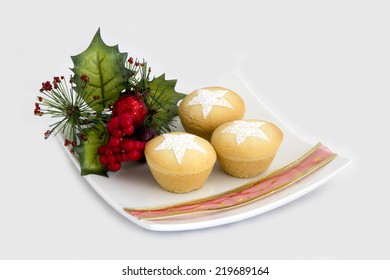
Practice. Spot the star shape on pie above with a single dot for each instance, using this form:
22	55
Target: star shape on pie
208	99
179	144
244	129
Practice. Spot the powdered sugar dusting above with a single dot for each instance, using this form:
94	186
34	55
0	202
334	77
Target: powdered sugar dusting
208	99
243	129
179	144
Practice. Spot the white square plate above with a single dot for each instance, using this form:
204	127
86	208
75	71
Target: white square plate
134	187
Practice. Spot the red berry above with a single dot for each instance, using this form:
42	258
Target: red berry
111	159
101	150
118	157
128	130
135	155
103	159
125	157
110	128
118	133
126	122
114	142
127	145
140	146
108	150
112	124
114	166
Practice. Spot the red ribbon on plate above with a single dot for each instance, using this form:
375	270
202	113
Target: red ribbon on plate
278	180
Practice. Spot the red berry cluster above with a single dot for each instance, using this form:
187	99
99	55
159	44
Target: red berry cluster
46	86
120	147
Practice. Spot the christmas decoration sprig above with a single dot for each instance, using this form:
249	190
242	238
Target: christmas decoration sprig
109	109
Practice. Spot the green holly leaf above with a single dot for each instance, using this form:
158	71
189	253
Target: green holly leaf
105	67
163	93
87	151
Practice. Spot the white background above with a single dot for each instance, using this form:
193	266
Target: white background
322	66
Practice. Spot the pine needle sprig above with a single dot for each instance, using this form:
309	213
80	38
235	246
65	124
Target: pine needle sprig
71	111
139	75
155	104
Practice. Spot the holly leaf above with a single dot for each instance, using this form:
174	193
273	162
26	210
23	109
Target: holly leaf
87	151
163	91
105	67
